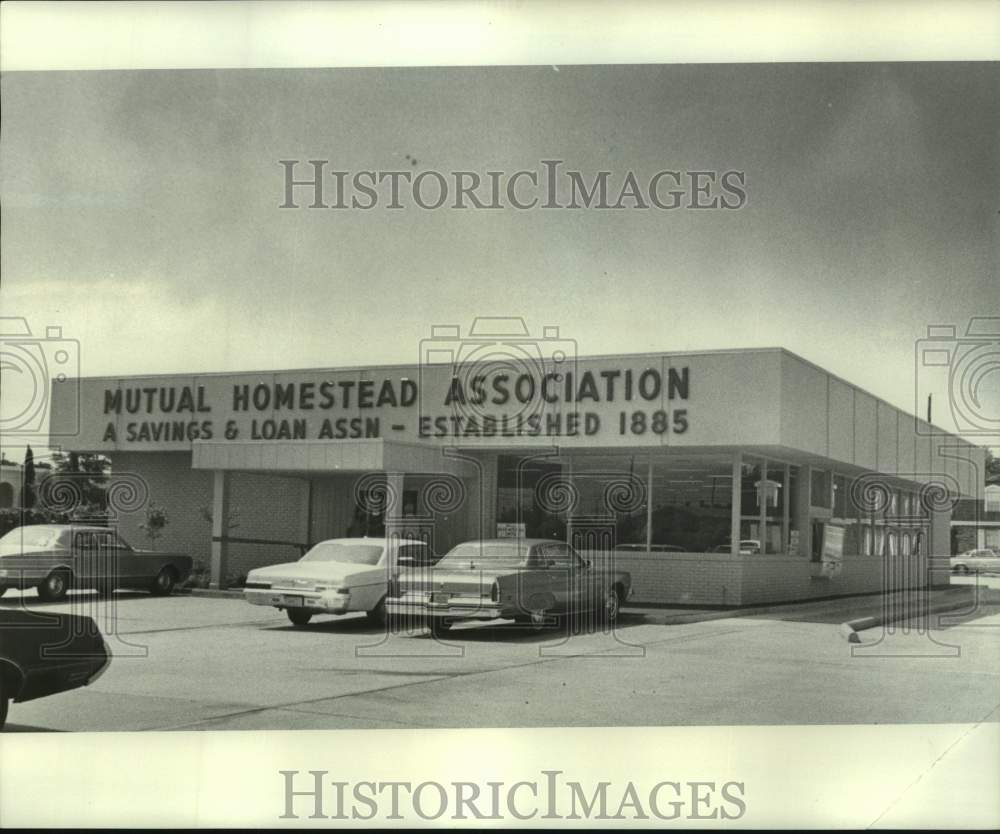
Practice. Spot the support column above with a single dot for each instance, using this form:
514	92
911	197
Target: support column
482	517
737	495
220	528
394	484
649	503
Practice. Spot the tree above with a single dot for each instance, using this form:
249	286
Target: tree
90	471
992	464
28	490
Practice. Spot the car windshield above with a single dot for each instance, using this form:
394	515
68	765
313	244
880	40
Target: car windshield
32	536
355	554
510	554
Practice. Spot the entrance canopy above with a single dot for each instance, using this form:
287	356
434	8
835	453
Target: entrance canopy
301	457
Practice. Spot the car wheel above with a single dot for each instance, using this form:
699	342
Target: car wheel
164	583
377	615
612	605
299	616
962	570
440	627
54	587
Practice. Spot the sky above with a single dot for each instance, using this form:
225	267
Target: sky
140	213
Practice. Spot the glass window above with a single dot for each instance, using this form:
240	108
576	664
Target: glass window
533	492
820	488
611	487
692	502
841	497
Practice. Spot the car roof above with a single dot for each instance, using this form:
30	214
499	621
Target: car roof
374	540
513	540
77	527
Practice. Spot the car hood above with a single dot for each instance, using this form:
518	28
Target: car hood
320	571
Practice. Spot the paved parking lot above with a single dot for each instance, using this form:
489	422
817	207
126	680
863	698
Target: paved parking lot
191	662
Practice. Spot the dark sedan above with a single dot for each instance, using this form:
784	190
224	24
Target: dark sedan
534	581
56	557
43	653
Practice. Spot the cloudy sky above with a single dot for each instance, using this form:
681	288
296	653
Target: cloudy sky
140	212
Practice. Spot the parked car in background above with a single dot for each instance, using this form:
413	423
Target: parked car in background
43	653
336	576
980	560
527	580
653	548
748	547
56	557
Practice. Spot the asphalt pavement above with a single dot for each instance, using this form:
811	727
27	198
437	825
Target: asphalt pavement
190	662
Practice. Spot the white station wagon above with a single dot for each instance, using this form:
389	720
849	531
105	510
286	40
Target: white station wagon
336	576
983	560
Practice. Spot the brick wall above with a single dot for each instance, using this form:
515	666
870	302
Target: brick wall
681	578
270	507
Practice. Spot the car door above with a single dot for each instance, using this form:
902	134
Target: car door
562	568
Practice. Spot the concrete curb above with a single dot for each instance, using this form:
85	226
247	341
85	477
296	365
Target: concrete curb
215	593
850	629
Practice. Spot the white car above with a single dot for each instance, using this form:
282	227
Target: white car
336	576
984	560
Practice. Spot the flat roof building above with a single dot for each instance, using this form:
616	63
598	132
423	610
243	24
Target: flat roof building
724	477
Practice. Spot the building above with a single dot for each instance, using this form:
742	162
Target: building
10	484
717	478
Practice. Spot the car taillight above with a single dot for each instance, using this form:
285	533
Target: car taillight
495	595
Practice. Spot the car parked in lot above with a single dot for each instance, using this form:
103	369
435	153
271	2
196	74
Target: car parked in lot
748	547
527	580
981	560
335	577
43	653
56	557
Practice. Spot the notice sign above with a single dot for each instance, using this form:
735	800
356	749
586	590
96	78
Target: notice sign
833	543
831	552
510	530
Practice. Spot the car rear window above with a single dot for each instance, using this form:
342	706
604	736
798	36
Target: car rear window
355	554
509	554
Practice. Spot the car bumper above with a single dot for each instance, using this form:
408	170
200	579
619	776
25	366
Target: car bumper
457	610
326	602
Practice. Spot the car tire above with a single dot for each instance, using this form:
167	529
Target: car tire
55	586
377	615
164	583
440	627
299	616
961	570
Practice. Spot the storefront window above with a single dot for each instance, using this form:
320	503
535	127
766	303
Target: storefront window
692	503
820	488
610	495
529	492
